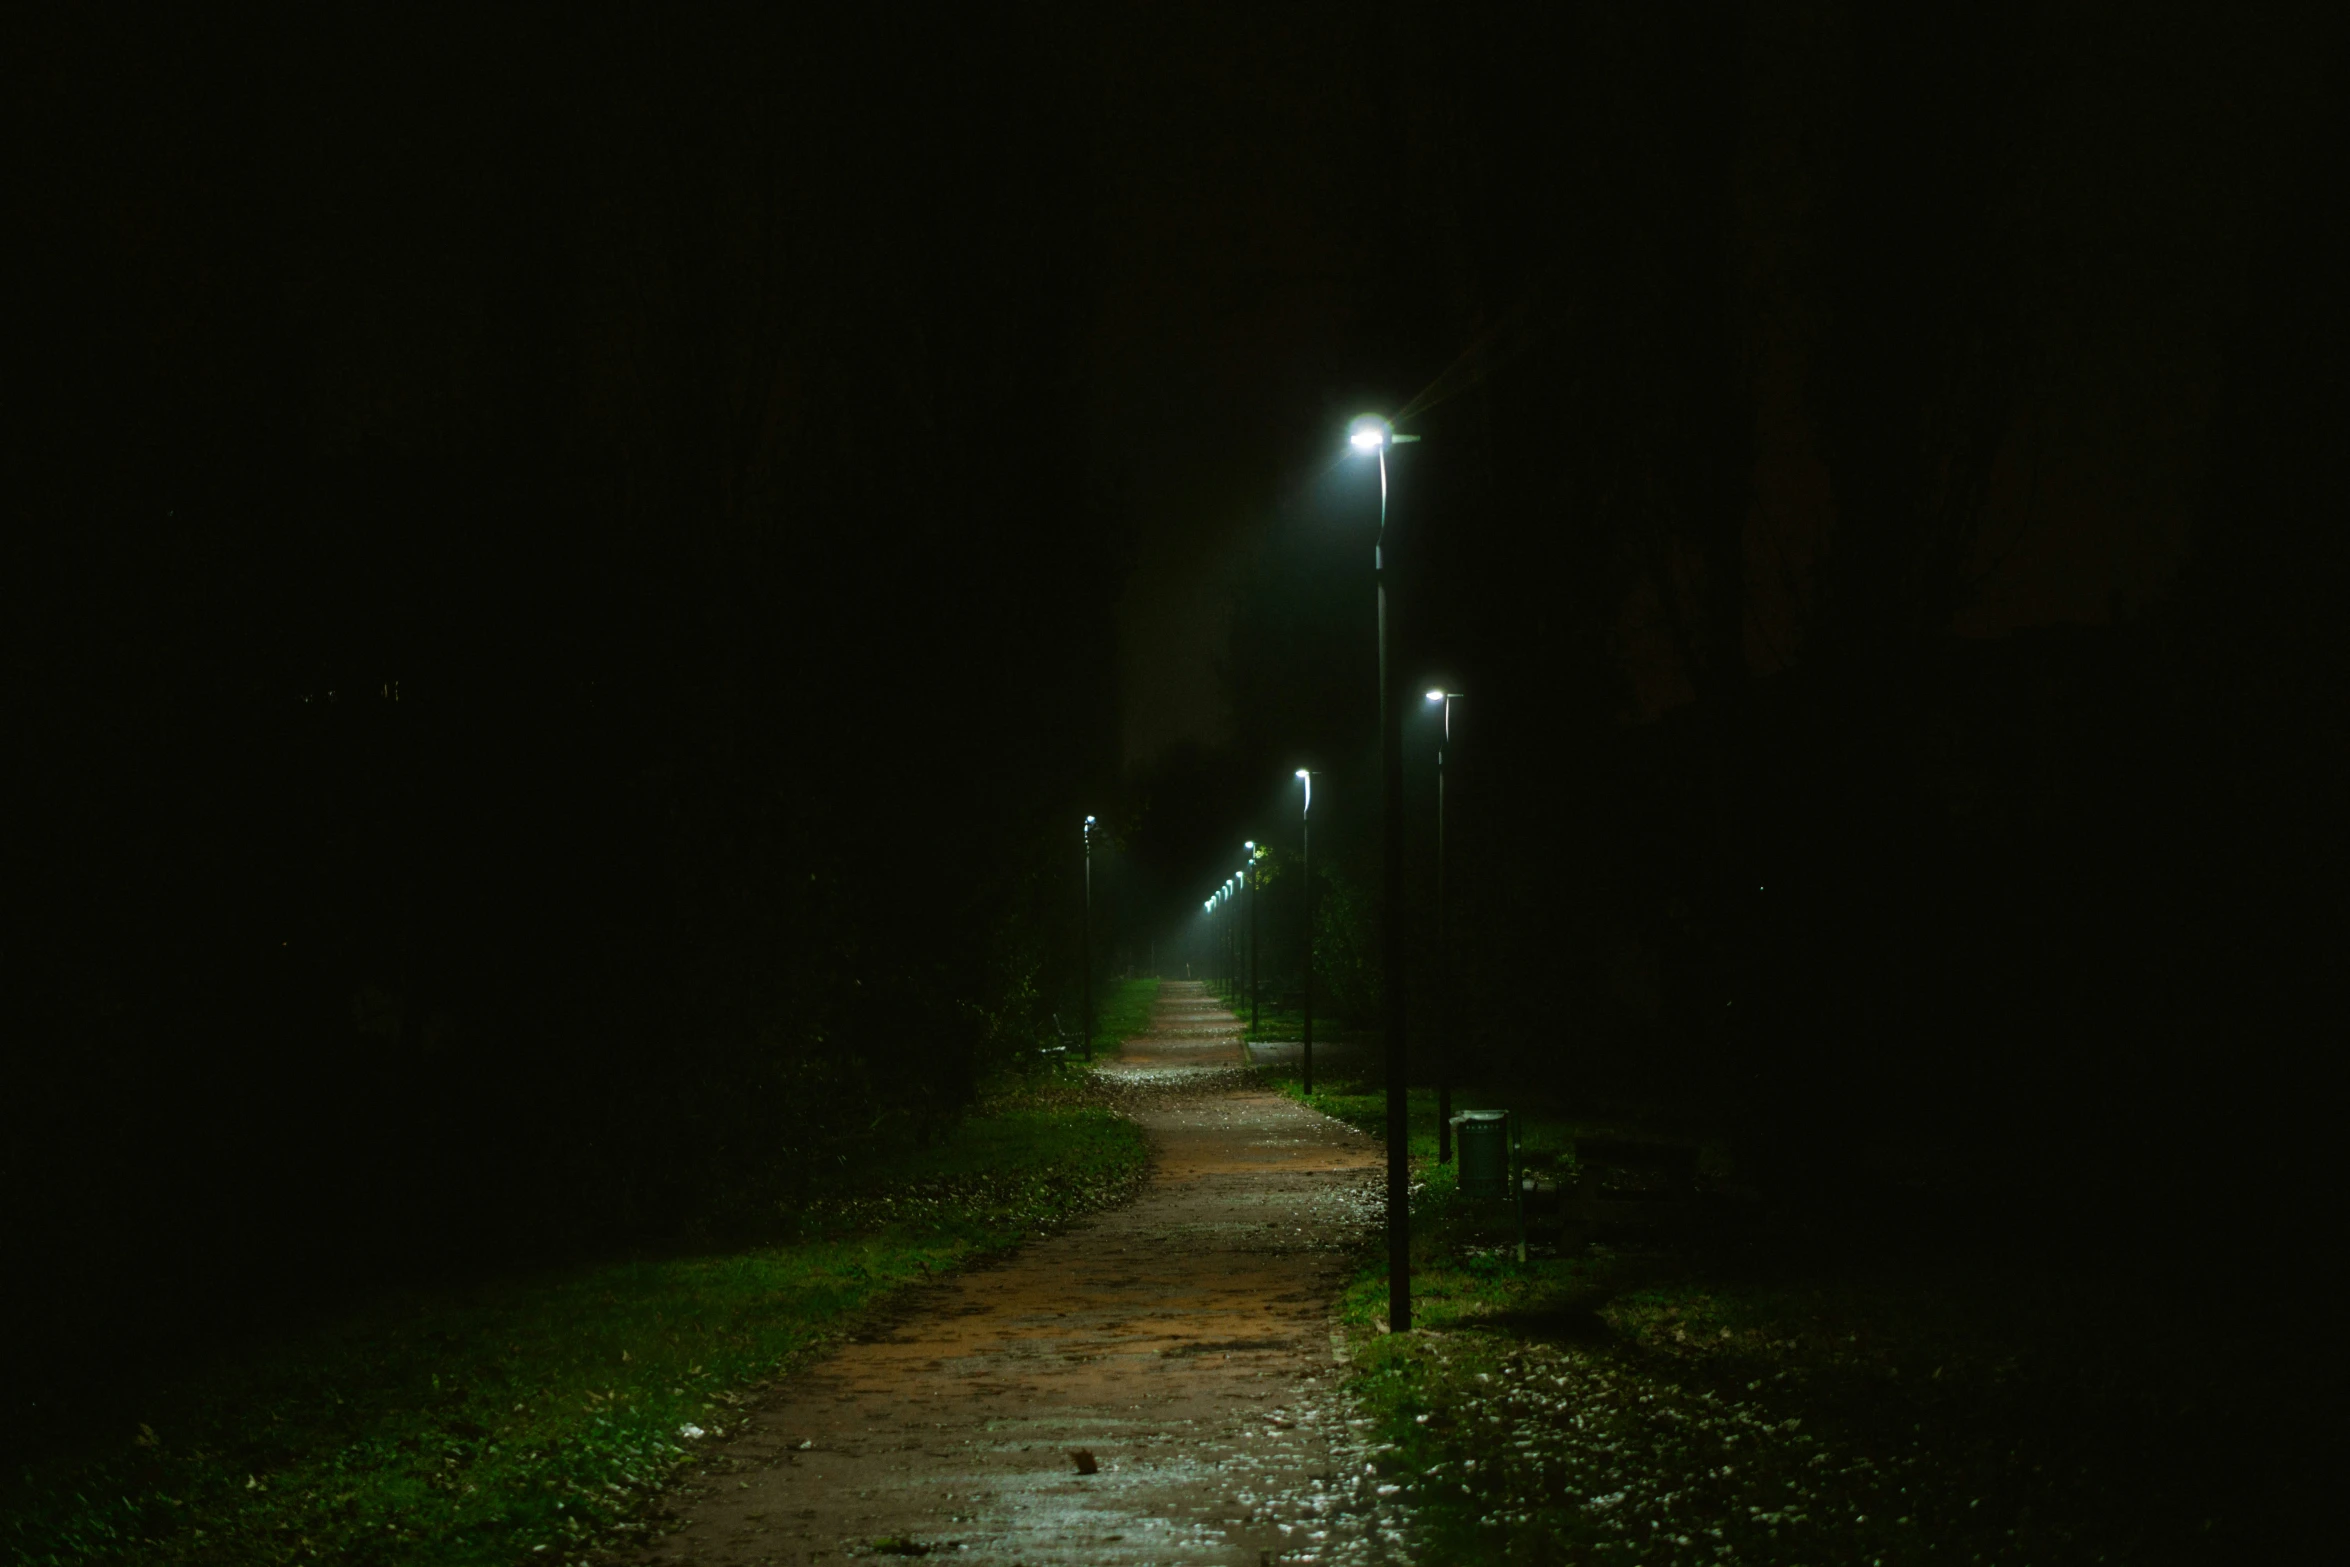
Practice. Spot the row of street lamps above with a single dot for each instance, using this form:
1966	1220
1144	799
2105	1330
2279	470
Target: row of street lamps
1372	436
1239	960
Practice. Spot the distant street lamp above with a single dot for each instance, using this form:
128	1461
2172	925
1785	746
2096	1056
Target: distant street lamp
1223	941
1232	940
1208	913
1445	699
1372	436
1085	941
1306	865
1250	880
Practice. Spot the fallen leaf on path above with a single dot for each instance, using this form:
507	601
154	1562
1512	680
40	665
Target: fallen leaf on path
1084	1461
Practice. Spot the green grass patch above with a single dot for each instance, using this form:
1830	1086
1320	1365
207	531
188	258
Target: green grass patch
1125	1014
1782	1395
529	1418
1287	1024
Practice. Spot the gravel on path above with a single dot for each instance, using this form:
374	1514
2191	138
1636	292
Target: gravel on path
1158	1384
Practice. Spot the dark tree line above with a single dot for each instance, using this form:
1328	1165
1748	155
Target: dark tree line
2055	882
1773	335
550	636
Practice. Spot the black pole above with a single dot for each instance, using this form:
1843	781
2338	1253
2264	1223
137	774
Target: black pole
1085	940
1443	1019
1255	974
1399	1176
1518	1176
1306	838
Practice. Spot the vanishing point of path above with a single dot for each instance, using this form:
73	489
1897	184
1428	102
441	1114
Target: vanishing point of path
1183	1341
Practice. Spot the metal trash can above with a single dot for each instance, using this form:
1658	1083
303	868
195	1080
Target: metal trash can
1481	1142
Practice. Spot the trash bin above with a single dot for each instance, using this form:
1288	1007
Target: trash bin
1481	1142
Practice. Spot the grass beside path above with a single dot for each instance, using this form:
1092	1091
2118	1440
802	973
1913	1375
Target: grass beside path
527	1420
1125	1014
1799	1392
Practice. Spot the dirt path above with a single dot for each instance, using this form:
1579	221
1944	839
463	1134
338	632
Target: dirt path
1183	1341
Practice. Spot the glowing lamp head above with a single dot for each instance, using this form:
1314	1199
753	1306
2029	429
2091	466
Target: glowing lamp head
1367	434
1301	772
1250	846
1433	696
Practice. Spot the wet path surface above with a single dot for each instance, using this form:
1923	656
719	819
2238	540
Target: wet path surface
1183	1342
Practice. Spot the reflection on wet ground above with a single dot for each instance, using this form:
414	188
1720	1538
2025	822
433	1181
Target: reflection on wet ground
1157	1385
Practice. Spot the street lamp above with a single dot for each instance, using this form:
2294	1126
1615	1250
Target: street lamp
1372	436
1252	883
1226	894
1207	953
1306	863
1223	940
1085	940
1444	700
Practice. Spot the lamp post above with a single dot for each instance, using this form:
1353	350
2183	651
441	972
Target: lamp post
1444	701
1206	952
1231	941
1223	940
1085	940
1372	436
1306	865
1251	885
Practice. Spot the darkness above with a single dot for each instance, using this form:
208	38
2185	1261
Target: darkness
569	576
551	631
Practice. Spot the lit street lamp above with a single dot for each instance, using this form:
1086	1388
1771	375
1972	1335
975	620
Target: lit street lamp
1372	436
1223	940
1225	895
1306	862
1085	941
1445	699
1208	914
1251	881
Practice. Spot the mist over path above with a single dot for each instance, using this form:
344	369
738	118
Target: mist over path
1183	1341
